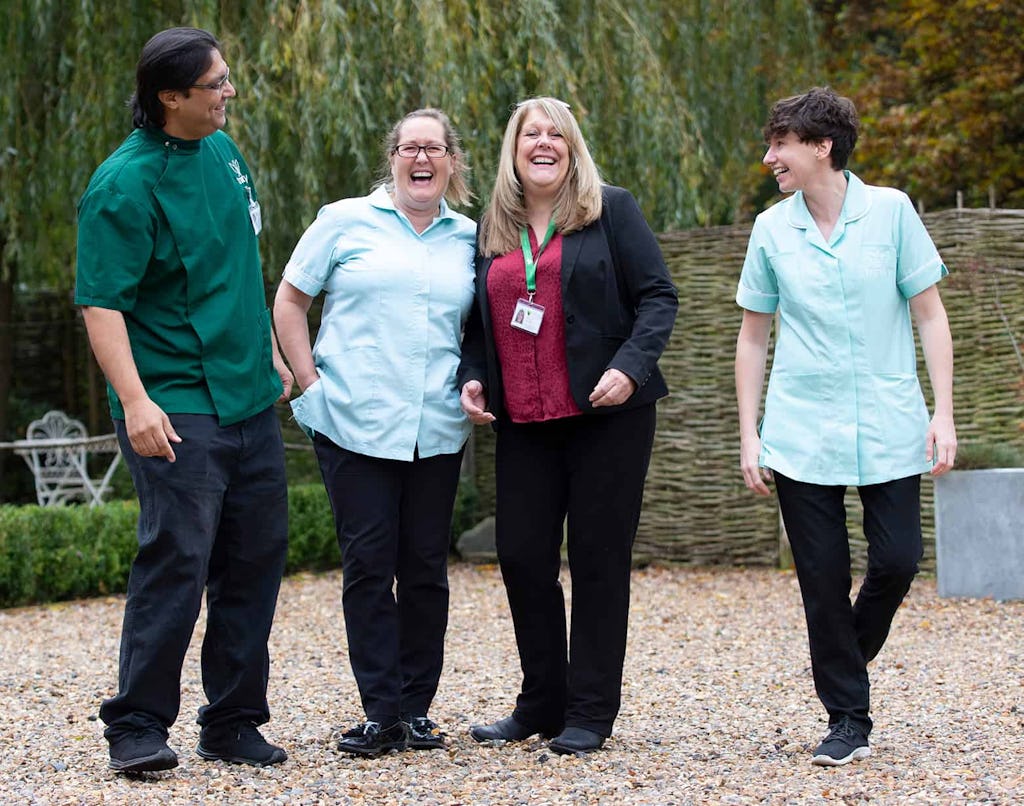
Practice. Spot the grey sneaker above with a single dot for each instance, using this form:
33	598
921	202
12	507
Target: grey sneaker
141	750
845	742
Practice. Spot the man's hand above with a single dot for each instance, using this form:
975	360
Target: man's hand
287	379
149	429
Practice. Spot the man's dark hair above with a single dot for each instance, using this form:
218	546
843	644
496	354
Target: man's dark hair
817	115
172	60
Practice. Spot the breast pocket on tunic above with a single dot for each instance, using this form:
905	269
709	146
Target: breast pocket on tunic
878	258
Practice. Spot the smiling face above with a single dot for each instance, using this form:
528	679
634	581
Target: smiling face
196	112
542	156
420	181
795	164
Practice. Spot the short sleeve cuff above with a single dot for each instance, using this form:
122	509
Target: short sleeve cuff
756	301
303	282
923	278
91	301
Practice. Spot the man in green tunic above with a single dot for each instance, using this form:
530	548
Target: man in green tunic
169	276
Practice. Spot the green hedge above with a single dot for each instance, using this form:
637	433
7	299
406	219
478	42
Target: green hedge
55	553
50	554
312	545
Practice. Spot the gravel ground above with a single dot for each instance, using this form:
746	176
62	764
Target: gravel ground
718	706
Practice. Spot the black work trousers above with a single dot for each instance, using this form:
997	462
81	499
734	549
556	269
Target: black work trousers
845	637
591	469
214	519
393	521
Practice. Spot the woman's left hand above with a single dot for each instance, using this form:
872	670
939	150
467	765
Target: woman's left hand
474	403
615	387
940	444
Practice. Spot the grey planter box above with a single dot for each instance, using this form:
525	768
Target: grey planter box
979	533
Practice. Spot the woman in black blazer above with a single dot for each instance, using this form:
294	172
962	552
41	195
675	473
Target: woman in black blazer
574	307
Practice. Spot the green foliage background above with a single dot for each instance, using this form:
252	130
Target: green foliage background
939	85
670	94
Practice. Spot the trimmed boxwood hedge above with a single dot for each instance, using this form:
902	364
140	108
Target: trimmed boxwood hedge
50	554
55	553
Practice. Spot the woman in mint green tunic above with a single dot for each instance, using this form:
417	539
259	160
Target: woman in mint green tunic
846	267
380	403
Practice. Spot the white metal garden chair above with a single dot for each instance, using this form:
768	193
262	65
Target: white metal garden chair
57	450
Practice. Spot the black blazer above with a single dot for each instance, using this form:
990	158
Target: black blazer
619	305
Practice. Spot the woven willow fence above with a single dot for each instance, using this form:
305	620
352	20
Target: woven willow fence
696	508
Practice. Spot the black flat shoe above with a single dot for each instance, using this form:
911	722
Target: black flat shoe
369	739
576	740
508	729
424	734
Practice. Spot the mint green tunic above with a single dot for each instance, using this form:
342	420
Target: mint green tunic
166	236
844	405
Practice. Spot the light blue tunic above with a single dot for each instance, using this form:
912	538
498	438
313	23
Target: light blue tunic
390	336
844	405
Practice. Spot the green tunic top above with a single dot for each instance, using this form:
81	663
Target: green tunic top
167	235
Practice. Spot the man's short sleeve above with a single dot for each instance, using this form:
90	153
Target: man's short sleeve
115	245
918	264
758	289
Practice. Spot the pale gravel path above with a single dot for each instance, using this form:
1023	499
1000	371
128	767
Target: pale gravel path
718	706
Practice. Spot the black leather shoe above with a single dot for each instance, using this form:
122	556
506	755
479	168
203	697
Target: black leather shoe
424	734
576	740
370	739
508	729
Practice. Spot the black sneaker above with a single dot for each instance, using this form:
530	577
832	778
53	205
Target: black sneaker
238	743
424	734
369	739
845	742
141	750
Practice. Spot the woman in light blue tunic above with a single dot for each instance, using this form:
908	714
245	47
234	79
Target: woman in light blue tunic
847	267
379	400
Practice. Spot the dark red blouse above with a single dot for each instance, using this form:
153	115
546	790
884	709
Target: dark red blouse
533	368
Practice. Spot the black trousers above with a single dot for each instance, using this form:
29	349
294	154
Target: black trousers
393	521
844	638
215	519
590	468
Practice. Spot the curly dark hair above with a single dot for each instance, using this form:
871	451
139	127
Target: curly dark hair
819	114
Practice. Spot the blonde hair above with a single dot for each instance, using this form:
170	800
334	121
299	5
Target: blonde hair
458	192
578	202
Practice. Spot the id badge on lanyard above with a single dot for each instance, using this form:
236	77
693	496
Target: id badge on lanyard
255	215
528	315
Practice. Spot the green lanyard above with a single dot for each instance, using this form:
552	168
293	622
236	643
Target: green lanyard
531	260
